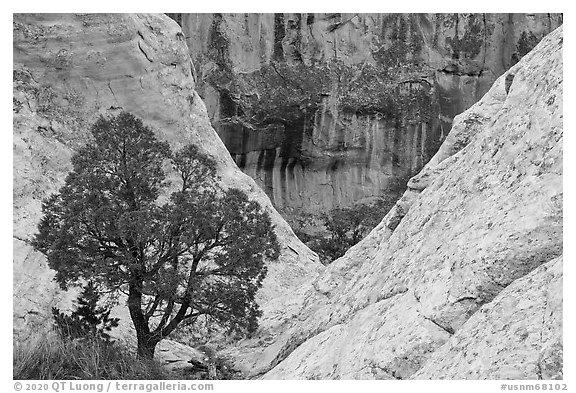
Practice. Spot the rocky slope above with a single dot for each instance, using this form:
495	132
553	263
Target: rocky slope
462	279
498	343
325	110
68	70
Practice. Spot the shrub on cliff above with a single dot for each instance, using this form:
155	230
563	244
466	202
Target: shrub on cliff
179	251
345	227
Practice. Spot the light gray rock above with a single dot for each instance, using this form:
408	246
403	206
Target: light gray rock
485	211
68	70
518	335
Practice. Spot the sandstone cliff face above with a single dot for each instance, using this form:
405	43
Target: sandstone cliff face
462	278
498	343
325	110
68	70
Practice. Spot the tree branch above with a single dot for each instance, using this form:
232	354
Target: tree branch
150	310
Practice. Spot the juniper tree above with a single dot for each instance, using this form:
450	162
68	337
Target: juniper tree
178	249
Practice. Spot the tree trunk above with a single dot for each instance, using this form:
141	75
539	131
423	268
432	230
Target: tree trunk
146	346
146	340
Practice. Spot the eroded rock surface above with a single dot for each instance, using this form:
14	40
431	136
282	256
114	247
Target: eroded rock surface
485	212
68	70
478	231
325	110
516	336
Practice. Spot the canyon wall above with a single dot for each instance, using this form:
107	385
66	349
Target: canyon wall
68	70
463	277
325	110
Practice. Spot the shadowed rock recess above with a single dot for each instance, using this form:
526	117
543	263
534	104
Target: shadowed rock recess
327	110
461	279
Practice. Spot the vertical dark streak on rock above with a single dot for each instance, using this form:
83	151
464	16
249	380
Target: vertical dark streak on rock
456	51
416	152
396	144
245	141
283	184
508	40
298	41
279	33
290	168
269	159
260	162
436	29
218	44
242	161
332	171
369	146
485	43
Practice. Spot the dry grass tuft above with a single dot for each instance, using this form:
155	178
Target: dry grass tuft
50	357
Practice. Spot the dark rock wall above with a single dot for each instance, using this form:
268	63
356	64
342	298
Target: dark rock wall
325	110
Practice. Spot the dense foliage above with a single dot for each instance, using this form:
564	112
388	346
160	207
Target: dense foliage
342	228
90	320
179	249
